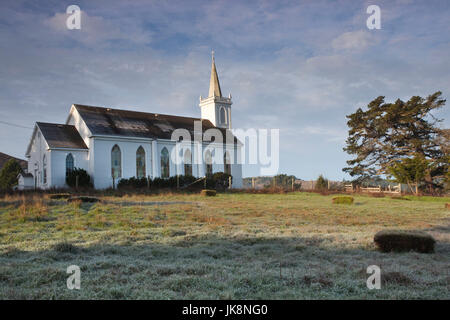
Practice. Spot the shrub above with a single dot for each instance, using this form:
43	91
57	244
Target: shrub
65	247
218	180
402	240
447	205
8	174
321	183
134	183
83	199
343	200
208	193
221	180
84	180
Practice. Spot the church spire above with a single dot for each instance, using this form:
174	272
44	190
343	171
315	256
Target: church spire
214	85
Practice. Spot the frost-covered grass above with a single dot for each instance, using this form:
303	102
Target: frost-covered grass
232	246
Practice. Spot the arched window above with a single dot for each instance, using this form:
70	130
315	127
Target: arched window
227	163
208	162
69	164
44	170
165	169
188	163
140	162
116	162
223	115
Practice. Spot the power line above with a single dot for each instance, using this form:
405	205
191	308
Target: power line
15	125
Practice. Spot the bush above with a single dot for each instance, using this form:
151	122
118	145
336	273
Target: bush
9	173
343	200
65	247
321	183
134	183
221	180
208	193
84	180
218	180
447	205
401	240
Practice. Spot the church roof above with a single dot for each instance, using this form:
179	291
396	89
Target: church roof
214	85
117	122
61	136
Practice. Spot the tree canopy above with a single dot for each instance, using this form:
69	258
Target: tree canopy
384	135
9	173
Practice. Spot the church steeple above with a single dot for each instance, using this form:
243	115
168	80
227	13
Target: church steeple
216	108
214	85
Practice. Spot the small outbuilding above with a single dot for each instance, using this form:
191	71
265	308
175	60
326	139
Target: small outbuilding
25	181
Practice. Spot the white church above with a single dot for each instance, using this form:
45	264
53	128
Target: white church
113	144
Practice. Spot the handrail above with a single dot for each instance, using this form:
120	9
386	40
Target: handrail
190	184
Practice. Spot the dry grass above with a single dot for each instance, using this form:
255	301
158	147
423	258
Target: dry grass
232	246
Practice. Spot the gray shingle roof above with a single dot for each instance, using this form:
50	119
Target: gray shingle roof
61	135
116	122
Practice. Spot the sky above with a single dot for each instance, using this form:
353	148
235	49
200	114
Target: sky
296	66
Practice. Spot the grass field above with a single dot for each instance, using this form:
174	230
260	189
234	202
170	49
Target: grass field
232	246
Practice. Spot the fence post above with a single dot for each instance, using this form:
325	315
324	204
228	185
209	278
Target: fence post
114	182
229	182
253	182
76	182
204	183
178	181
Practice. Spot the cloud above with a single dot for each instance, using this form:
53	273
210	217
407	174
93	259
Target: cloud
99	31
354	40
331	134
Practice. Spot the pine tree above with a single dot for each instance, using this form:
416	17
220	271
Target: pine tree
388	133
9	173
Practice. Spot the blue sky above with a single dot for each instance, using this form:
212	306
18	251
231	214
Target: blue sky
299	66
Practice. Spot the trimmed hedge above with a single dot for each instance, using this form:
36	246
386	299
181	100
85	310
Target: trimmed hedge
404	240
343	200
208	193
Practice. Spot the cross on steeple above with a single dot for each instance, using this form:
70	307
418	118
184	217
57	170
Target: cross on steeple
214	85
